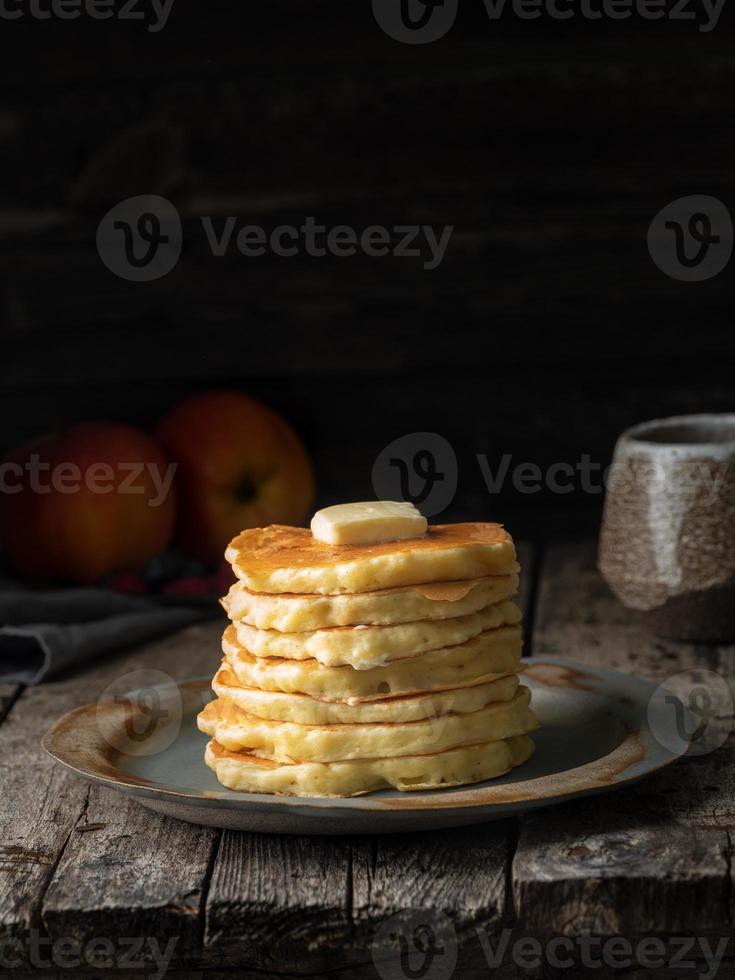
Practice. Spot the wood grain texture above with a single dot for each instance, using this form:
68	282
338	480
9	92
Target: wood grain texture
173	973
38	809
449	884
260	91
45	808
653	858
279	903
391	305
127	871
293	906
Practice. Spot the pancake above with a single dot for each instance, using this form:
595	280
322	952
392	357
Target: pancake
289	559
236	730
470	764
304	710
363	647
292	613
484	658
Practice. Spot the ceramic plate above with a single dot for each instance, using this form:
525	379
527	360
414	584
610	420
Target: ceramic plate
599	730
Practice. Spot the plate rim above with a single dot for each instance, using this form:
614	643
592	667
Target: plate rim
638	754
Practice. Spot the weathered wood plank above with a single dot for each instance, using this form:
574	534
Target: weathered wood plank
393	305
128	872
624	867
695	966
49	973
616	88
279	903
651	858
446	884
70	955
45	806
294	906
38	808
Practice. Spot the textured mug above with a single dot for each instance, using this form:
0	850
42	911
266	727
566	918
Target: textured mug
667	544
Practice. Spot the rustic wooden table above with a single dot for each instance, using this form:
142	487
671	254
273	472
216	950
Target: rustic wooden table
82	865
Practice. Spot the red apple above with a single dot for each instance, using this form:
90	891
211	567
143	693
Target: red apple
95	499
239	465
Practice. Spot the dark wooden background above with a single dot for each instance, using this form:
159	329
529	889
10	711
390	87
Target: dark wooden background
549	146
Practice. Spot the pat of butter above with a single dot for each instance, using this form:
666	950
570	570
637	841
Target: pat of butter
368	523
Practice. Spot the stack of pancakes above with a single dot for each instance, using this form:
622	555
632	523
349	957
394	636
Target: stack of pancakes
351	668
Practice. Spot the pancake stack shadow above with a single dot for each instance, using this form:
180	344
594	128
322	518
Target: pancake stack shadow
349	669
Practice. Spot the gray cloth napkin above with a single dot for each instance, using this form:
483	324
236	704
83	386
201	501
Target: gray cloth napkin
44	633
